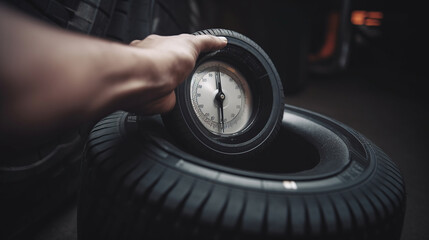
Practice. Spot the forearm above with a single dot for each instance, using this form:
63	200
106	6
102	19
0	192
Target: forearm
50	77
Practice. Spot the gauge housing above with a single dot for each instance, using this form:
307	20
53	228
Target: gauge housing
267	109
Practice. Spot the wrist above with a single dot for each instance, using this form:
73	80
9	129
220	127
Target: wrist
118	76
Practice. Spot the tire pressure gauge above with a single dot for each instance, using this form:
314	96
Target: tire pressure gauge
231	106
221	98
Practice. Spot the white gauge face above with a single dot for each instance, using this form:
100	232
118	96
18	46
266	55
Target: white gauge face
221	98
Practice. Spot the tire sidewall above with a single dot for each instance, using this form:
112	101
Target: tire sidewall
358	167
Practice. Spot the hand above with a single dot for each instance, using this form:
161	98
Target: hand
53	79
170	60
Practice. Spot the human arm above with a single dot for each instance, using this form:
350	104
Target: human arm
51	78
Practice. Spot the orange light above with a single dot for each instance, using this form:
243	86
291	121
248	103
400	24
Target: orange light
367	18
358	17
328	48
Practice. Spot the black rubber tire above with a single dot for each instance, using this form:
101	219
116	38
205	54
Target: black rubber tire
329	182
136	19
35	182
89	17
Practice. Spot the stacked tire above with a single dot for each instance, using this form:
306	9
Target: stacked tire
37	181
319	180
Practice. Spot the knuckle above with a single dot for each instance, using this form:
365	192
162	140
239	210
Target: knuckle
152	37
185	35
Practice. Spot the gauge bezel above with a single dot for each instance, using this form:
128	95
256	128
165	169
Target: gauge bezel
267	109
256	75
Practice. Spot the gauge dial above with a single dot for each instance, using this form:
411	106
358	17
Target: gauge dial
231	106
221	98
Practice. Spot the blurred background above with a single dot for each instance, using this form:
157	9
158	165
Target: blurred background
360	62
326	39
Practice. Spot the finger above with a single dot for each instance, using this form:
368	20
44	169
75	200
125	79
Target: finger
209	43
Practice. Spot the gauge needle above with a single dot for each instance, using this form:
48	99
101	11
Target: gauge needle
220	96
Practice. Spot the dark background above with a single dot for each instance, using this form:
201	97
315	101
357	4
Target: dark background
373	80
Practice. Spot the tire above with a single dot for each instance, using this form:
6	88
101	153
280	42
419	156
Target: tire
89	17
319	180
37	182
136	19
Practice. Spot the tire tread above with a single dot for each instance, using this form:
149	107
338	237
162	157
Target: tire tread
195	208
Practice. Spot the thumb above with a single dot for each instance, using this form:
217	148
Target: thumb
135	42
206	43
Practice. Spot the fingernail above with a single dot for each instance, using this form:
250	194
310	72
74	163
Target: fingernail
223	39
